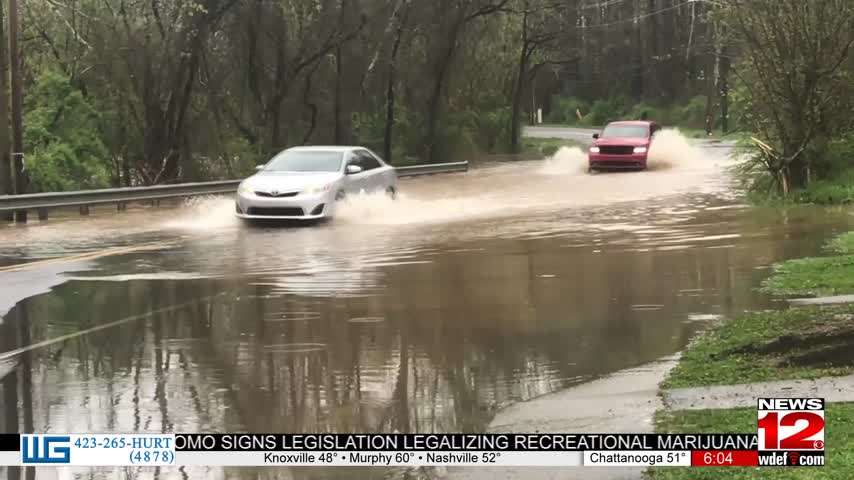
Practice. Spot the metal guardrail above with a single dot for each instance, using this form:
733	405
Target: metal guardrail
85	198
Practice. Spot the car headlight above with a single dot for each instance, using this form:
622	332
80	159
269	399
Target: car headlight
594	149
318	189
640	150
244	188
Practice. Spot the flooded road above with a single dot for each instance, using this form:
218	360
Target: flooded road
470	293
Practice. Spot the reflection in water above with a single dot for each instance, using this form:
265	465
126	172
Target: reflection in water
323	330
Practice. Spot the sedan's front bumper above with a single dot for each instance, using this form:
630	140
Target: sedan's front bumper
299	207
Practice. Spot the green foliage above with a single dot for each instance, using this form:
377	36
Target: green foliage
838	190
564	110
493	128
693	113
61	134
838	155
690	114
843	244
603	111
831	275
240	157
457	139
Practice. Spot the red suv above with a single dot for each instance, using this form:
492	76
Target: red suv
622	145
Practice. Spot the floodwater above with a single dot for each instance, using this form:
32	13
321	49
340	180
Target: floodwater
469	293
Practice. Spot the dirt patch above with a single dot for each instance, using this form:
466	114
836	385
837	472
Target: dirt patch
826	344
841	355
823	336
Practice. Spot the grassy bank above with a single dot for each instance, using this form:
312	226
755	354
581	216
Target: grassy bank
798	343
804	342
839	437
838	190
827	275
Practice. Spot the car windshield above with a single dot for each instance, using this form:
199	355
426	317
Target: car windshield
306	161
625	131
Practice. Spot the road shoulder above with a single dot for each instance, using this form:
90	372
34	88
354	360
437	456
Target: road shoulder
625	401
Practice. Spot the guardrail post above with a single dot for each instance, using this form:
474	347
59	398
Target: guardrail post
121	206
84	210
42	214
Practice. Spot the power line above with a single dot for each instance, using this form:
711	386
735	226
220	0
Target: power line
634	18
605	4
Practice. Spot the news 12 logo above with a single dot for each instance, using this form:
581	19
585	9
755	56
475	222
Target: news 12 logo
791	431
41	449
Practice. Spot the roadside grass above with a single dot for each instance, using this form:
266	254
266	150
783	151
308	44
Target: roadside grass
829	192
817	276
839	436
830	275
546	147
842	244
836	191
798	343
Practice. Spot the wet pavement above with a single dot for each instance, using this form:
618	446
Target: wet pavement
469	294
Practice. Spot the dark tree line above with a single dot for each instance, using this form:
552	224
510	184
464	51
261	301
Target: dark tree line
127	92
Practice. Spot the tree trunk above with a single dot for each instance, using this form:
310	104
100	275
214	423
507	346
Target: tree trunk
639	60
6	179
388	137
518	87
723	89
518	91
21	177
435	101
339	73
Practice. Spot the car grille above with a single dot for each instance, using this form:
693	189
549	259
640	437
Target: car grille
616	149
275	211
278	195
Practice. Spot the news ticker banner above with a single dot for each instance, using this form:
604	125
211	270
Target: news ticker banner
790	432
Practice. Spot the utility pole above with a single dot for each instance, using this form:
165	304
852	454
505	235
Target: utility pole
17	121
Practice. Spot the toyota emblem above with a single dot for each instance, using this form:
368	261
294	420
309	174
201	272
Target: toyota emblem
274	193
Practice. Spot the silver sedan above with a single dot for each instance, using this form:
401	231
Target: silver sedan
305	182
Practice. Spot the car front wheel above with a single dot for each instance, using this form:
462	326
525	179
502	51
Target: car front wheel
391	192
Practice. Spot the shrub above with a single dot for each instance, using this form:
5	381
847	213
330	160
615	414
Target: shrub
564	109
63	141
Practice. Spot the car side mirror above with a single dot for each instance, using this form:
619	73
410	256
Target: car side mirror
595	135
353	169
258	168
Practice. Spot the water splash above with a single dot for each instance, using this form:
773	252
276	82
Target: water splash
204	213
671	150
566	161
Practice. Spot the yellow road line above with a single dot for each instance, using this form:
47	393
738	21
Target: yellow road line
88	256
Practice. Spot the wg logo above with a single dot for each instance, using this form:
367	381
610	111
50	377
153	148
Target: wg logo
45	449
